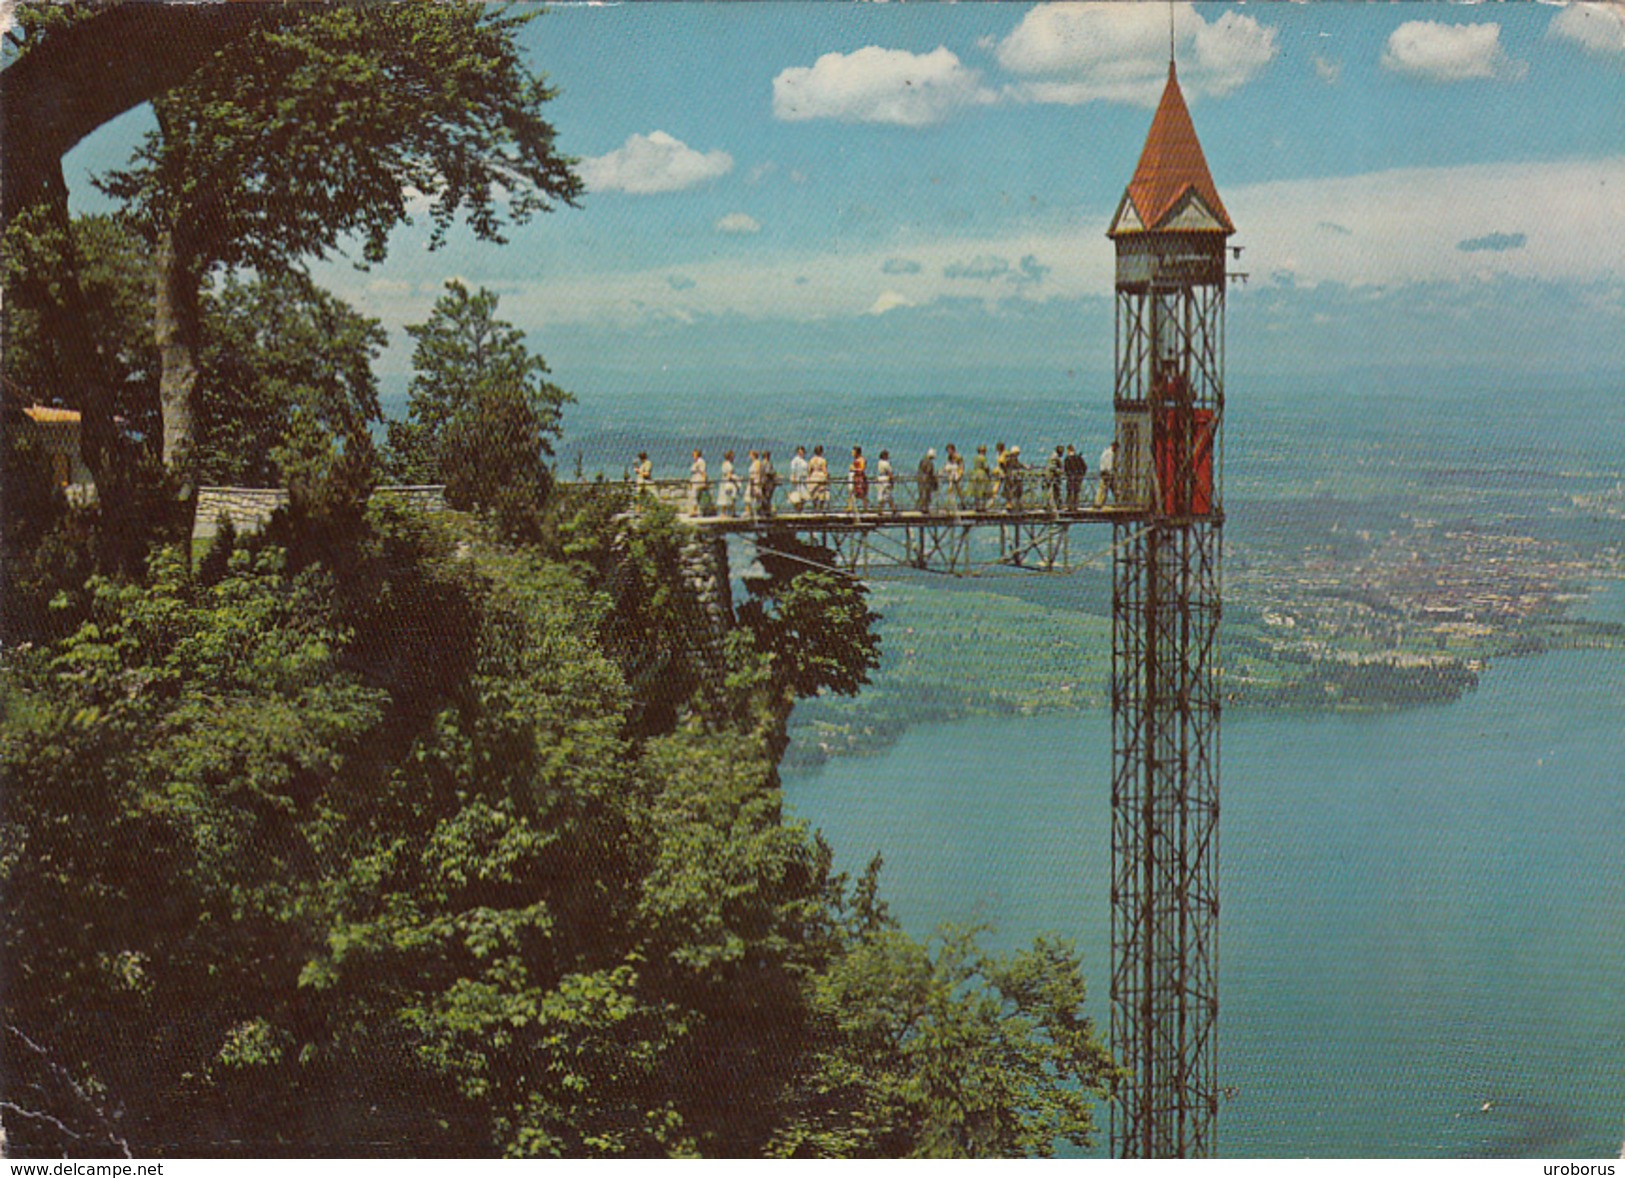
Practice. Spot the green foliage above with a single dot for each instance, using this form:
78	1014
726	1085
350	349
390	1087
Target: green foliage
655	625
363	841
112	265
490	461
945	1050
31	508
281	359
472	374
49	548
320	125
815	623
480	415
150	843
326	121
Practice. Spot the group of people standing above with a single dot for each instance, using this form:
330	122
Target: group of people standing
987	484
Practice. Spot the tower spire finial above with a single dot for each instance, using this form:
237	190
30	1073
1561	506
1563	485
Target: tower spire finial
1170	36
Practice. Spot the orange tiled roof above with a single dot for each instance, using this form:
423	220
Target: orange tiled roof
1172	164
44	413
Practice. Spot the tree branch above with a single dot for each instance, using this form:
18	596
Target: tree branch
61	1073
81	76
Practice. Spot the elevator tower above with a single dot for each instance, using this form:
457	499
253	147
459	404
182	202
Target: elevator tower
1170	232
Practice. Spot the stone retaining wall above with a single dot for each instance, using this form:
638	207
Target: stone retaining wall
250	508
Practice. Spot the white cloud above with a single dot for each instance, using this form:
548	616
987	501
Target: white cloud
1078	53
1330	72
1598	28
738	223
875	85
1434	52
1372	233
1406	225
655	162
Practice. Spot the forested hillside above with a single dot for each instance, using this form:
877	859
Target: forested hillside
359	840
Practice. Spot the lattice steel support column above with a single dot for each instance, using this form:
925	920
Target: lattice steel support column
1165	812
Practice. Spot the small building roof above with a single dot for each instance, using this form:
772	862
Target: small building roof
1172	188
46	414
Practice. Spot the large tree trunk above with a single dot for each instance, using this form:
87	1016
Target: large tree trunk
79	77
176	324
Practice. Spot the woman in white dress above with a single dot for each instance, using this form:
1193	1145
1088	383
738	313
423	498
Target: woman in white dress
699	486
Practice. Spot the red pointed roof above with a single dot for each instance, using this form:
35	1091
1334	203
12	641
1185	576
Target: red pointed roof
1171	166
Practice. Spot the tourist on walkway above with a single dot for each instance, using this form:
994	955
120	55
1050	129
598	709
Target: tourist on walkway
1055	478
699	487
644	474
798	479
1108	465
885	477
927	480
770	480
753	485
818	479
953	471
981	480
998	472
857	497
727	487
1076	470
1012	478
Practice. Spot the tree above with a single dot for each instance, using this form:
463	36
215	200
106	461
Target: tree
277	348
481	414
156	763
323	124
945	1050
77	66
813	622
461	354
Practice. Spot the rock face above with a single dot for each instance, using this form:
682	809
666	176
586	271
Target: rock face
250	508
705	570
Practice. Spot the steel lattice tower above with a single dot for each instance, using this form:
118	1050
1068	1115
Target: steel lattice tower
1170	232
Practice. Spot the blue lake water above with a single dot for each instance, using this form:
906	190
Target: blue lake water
1423	912
1605	603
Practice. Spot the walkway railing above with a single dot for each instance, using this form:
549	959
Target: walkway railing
960	534
1034	495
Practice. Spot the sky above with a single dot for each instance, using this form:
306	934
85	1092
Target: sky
787	198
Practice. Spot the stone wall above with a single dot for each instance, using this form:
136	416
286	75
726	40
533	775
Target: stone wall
250	508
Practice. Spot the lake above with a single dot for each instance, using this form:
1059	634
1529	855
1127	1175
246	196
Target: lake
1422	940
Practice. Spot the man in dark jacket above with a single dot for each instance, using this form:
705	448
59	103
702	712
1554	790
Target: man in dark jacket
928	479
1076	471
